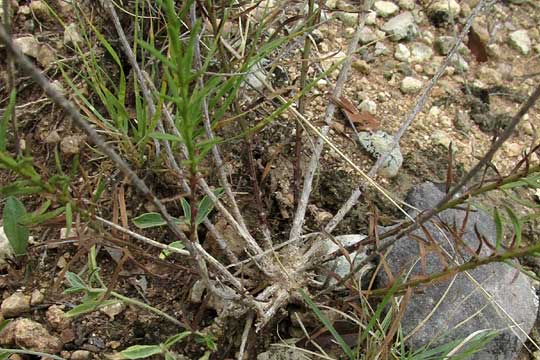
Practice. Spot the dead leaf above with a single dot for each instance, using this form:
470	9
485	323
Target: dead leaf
362	120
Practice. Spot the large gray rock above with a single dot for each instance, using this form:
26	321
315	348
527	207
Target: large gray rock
465	307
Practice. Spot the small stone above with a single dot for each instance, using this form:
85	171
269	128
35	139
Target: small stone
367	35
520	40
15	305
6	251
379	143
112	310
57	317
428	37
459	63
46	55
401	27
512	149
406	4
40	9
30	335
322	83
279	353
347	18
385	8
362	66
410	85
380	49
443	45
72	37
493	50
24	10
81	355
341	266
441	138
28	45
442	11
402	53
71	145
371	18
369	106
420	52
36	297
62	262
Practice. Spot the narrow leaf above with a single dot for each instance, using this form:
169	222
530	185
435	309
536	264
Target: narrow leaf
516	223
498	228
140	351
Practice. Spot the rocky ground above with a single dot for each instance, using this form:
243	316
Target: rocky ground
403	43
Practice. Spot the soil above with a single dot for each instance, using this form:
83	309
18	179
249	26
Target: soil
466	108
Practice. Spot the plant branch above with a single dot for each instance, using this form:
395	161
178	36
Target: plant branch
300	213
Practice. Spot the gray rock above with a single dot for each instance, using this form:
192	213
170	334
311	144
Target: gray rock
15	305
280	353
371	18
369	106
459	62
81	355
341	265
521	41
71	145
379	143
410	85
443	11
420	52
406	4
401	27
72	36
380	49
385	8
367	35
347	18
40	9
464	308
402	53
30	335
29	45
443	45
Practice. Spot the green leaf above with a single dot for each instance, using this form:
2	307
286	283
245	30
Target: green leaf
498	228
206	205
176	338
166	253
4	323
75	280
140	351
165	136
17	234
344	346
187	210
149	220
4	354
37	218
89	306
516	223
5	119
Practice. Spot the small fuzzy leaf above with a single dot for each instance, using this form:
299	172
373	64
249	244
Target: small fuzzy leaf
149	220
206	205
140	351
17	234
175	244
89	306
